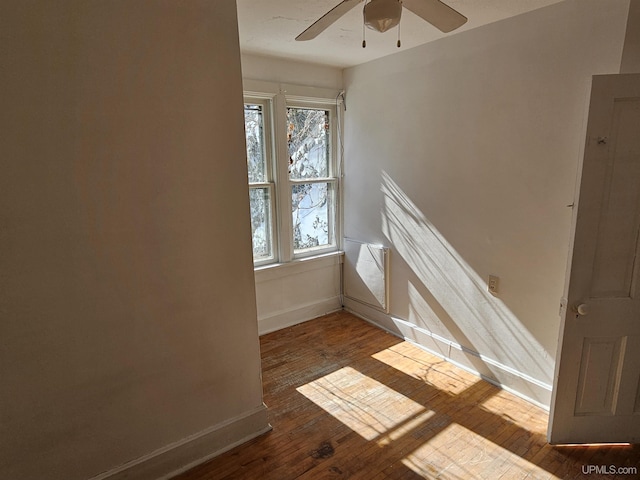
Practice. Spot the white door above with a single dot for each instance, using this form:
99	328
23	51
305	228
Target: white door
596	391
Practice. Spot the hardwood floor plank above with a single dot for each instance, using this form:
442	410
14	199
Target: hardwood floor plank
349	401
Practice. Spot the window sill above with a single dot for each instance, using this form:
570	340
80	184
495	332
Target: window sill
274	271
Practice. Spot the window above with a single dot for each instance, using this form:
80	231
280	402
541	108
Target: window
260	186
293	184
312	187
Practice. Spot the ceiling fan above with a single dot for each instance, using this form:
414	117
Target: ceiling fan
381	15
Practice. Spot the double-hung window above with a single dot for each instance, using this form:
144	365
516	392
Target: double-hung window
313	186
261	188
293	181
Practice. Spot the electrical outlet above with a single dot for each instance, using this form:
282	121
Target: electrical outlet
492	286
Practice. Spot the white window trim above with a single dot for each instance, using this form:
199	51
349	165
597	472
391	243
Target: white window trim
279	97
275	271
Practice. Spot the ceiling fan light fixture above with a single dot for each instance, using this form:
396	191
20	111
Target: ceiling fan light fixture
382	15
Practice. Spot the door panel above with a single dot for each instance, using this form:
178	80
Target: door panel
596	395
619	218
600	369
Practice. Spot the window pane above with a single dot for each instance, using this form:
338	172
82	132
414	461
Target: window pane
261	223
308	138
311	208
254	132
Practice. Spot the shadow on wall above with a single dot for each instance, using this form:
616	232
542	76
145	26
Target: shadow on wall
449	301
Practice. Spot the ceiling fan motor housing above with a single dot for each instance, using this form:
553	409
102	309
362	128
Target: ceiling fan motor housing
382	15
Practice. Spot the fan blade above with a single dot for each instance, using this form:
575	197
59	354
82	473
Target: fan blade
441	16
327	20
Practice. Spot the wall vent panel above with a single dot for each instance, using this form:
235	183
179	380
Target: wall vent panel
366	278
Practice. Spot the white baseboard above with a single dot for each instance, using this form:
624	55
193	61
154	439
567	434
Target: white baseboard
185	454
503	376
299	314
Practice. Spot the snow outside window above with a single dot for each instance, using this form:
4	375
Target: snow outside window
291	173
312	187
260	184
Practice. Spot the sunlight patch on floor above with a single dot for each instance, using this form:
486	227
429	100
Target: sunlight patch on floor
503	404
413	361
482	458
366	406
405	428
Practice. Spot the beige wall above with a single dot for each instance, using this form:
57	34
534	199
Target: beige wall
462	155
127	308
631	51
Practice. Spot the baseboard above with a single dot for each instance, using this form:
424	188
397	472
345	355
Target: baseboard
300	314
185	454
503	376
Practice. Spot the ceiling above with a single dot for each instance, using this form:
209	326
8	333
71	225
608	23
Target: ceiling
269	27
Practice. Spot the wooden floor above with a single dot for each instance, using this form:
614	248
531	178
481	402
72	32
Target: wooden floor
349	401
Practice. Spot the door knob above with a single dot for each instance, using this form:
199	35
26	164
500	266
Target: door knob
582	309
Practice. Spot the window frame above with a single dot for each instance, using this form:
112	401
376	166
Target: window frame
331	179
279	97
269	183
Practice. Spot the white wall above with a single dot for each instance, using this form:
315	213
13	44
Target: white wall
127	308
280	70
292	292
461	155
